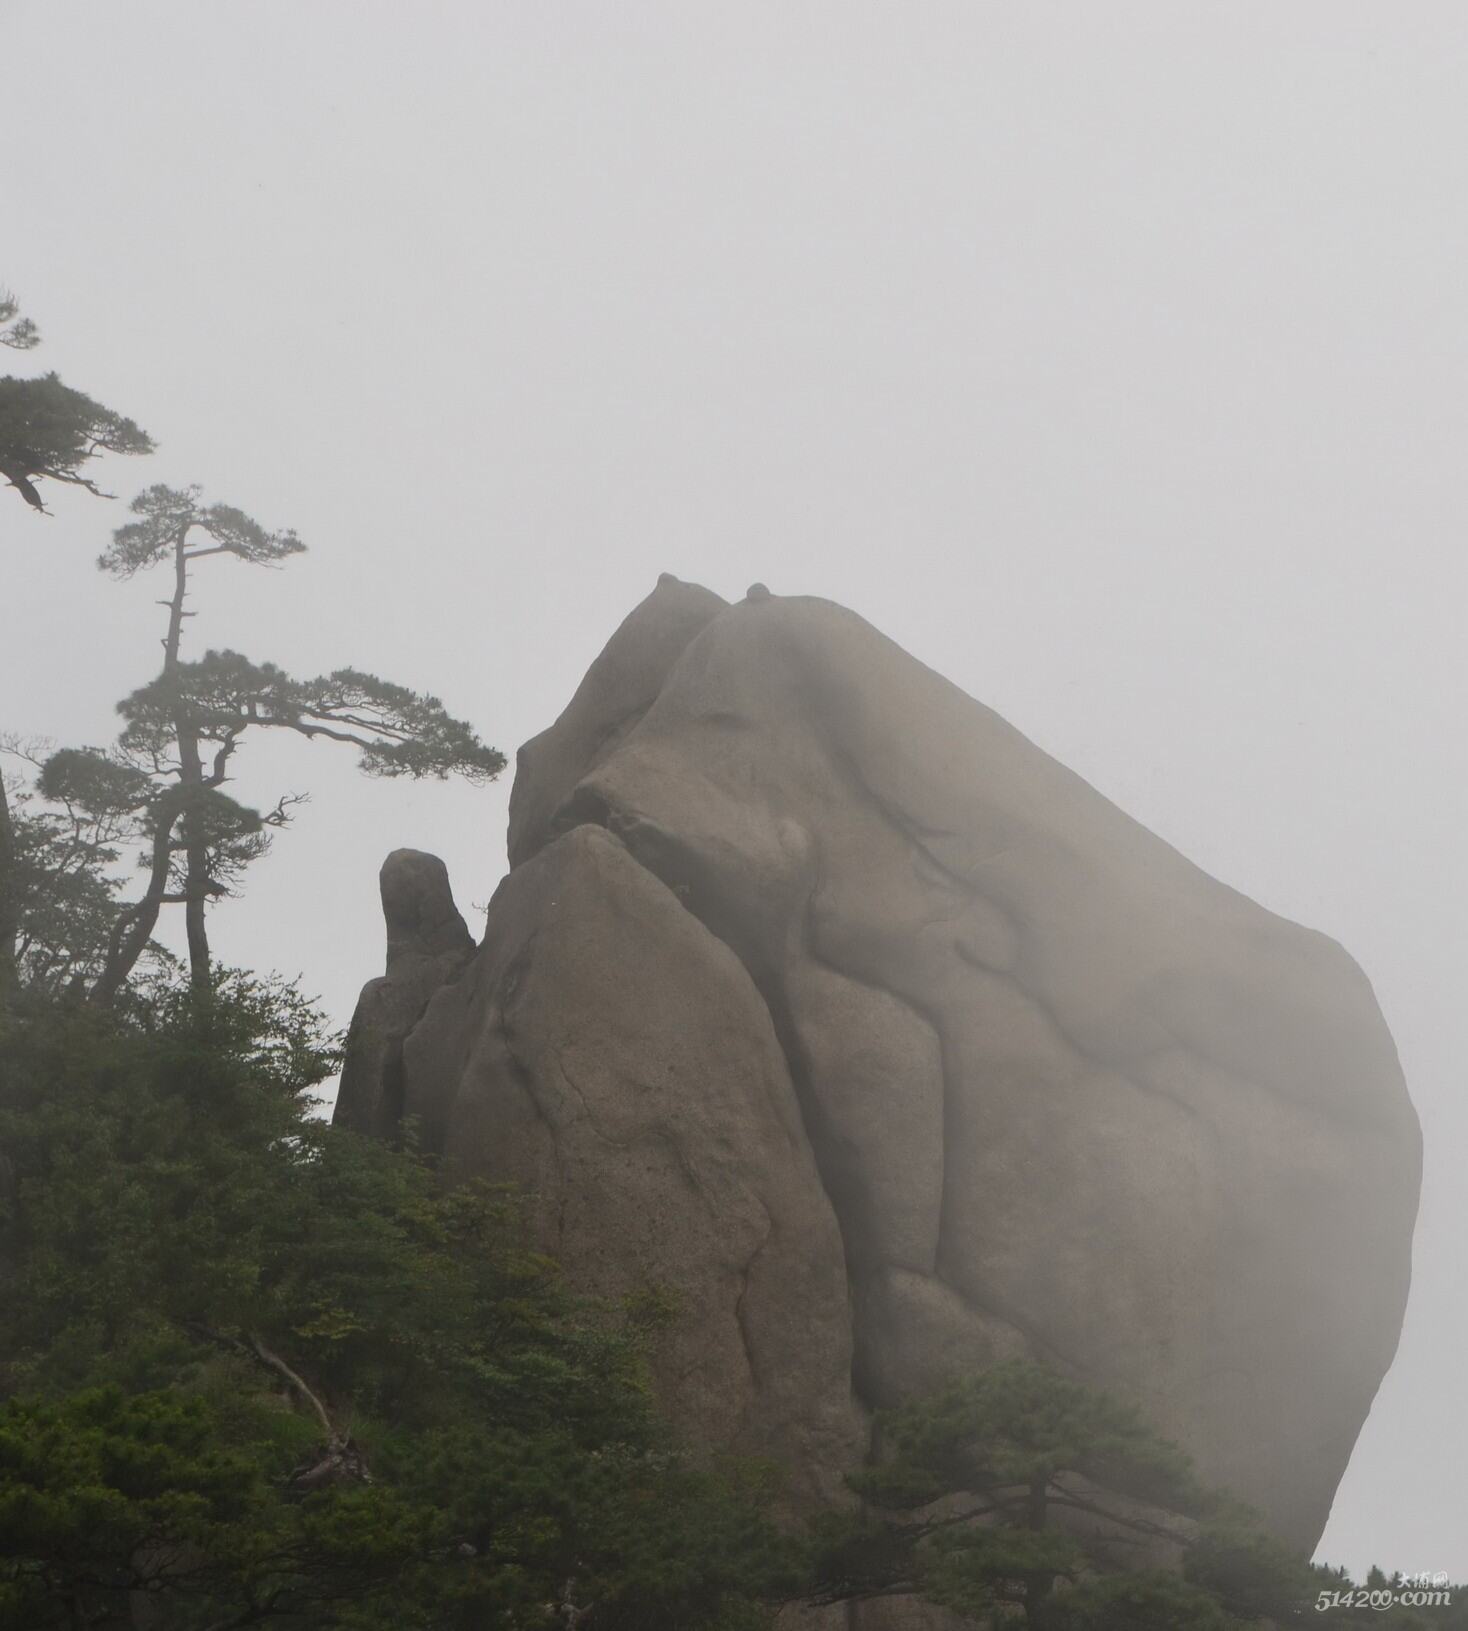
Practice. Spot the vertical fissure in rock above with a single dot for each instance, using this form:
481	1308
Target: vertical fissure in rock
588	808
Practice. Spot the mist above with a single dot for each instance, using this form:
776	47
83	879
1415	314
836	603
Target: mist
1108	359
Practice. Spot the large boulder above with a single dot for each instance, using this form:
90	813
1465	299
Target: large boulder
428	944
799	931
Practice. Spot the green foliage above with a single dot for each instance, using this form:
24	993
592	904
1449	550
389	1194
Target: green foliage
102	1490
166	515
63	904
65	837
1006	1431
163	783
1018	1496
49	430
90	782
398	732
1247	1570
1143	1600
257	1365
161	787
999	1574
87	807
259	1368
17	332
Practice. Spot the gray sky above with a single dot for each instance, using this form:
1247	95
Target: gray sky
1109	357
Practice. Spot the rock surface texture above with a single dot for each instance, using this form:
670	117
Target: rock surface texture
428	943
819	993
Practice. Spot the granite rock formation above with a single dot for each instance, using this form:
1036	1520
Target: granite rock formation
428	943
819	993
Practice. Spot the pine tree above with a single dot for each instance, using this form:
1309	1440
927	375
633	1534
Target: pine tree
168	771
49	431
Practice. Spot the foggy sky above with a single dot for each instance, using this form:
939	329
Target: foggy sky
1109	357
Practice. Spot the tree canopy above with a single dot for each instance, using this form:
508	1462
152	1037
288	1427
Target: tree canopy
262	1369
164	785
48	431
16	332
398	732
167	516
1019	1497
259	1370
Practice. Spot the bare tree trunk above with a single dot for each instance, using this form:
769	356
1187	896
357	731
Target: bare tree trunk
133	930
196	860
9	904
21	481
1038	1586
191	778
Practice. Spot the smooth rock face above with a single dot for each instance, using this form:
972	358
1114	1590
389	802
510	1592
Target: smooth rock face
810	933
611	1058
428	943
620	686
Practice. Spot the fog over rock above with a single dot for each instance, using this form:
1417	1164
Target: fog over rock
821	994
